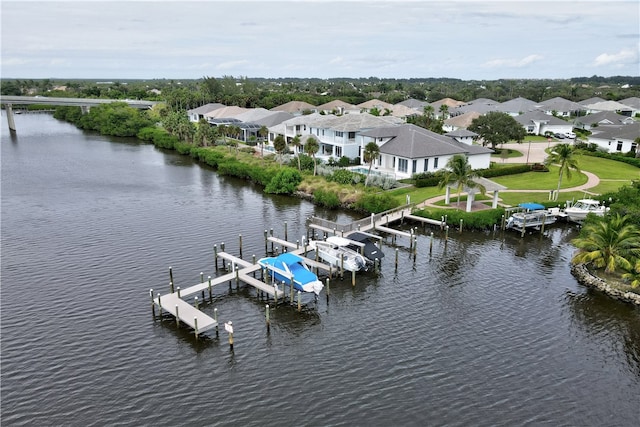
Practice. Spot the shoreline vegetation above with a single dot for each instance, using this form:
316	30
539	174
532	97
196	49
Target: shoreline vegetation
338	188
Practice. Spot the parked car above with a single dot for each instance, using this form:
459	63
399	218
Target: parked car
570	135
558	136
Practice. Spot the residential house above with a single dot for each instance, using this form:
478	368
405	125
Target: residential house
634	103
480	105
540	123
617	107
296	108
196	114
408	149
414	104
336	135
460	122
337	107
616	138
381	106
516	106
560	107
602	118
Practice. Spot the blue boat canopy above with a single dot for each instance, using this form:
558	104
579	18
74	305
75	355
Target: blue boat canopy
531	206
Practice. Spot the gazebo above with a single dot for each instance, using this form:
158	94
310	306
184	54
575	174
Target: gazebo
489	185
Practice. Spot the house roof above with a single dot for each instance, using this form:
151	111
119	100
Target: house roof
461	133
225	112
411	141
294	107
356	122
634	102
516	105
450	102
603	117
463	120
608	106
336	104
398	110
375	103
413	103
264	117
591	100
203	109
539	116
560	104
480	107
629	132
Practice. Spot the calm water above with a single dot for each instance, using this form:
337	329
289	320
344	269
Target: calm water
485	331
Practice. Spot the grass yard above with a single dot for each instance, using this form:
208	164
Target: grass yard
608	169
510	154
540	180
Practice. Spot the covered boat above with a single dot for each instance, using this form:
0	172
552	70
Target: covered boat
532	215
363	243
284	267
579	211
334	251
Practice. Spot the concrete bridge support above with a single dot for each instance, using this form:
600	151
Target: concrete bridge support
10	121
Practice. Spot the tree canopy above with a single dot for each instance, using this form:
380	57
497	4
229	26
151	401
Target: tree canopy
497	128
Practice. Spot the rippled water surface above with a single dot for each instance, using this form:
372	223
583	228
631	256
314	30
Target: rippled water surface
486	330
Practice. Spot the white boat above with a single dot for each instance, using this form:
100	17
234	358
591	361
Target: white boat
532	215
334	251
580	209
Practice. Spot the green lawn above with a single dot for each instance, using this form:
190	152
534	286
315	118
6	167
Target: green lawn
515	199
608	169
510	154
540	180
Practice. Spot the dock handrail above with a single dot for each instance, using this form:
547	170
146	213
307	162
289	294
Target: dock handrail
360	223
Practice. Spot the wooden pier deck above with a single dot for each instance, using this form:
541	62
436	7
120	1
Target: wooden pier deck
425	220
185	312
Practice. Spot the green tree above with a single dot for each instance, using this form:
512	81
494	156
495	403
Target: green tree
311	147
633	275
497	128
370	153
284	182
459	172
295	143
280	145
563	156
610	242
263	132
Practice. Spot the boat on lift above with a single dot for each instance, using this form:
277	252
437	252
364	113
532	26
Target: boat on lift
532	215
583	207
335	252
288	266
363	243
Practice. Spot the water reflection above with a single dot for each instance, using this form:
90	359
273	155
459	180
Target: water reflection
612	325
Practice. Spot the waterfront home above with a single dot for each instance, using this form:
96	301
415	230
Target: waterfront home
196	114
336	135
337	107
296	108
634	103
408	149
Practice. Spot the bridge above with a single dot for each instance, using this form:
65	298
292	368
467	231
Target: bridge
84	103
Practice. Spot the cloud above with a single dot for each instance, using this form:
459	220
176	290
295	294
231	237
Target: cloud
624	56
232	64
513	63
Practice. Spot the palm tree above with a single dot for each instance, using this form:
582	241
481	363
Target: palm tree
460	173
444	110
563	155
280	145
295	143
263	132
609	243
633	276
311	147
370	153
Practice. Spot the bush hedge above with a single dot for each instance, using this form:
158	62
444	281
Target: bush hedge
479	220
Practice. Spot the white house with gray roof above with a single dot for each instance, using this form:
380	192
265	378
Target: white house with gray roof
616	138
540	123
604	118
561	107
409	149
336	135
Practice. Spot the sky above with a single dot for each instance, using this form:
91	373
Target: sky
469	40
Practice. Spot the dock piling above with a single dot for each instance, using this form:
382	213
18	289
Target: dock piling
215	255
160	305
266	315
153	305
215	317
195	303
299	300
240	243
177	316
178	291
285	231
195	326
460	225
210	294
396	259
353	278
431	244
171	277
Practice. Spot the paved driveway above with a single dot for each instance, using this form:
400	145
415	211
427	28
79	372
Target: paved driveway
535	151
